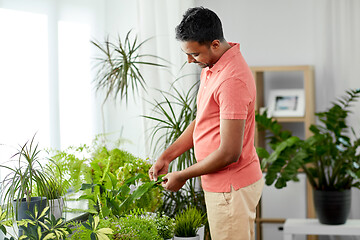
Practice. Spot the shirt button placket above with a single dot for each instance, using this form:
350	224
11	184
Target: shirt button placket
207	78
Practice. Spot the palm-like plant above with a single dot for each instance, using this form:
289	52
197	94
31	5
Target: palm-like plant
118	68
29	174
172	116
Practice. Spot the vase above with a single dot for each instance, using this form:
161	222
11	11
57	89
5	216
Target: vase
197	237
332	207
56	207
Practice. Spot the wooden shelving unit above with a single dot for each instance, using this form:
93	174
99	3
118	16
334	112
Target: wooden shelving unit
308	119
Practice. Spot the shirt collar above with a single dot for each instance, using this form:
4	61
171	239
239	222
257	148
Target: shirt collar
225	58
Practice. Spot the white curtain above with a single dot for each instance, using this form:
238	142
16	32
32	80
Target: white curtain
337	63
157	20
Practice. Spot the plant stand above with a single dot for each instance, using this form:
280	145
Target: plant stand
308	226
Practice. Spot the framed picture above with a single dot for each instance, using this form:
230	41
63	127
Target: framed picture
286	103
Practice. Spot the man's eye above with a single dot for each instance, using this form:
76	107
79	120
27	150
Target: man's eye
195	55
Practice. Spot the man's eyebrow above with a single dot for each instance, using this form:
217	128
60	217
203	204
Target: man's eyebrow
189	53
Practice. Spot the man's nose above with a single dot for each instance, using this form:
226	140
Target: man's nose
191	59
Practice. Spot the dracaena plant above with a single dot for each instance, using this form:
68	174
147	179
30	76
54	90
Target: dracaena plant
330	157
118	67
30	172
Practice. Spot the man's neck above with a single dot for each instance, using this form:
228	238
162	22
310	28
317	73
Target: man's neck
224	46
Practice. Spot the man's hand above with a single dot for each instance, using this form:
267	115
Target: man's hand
159	168
173	181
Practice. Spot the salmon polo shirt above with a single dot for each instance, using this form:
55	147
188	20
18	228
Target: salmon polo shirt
227	91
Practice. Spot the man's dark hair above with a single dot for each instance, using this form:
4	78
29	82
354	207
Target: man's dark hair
201	25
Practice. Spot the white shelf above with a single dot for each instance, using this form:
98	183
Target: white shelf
314	227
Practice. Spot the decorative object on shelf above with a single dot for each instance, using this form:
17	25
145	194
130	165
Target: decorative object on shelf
329	158
286	103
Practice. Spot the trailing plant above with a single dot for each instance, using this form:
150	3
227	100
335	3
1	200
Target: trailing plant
188	222
329	158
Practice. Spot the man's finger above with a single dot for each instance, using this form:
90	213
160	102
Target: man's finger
151	174
164	182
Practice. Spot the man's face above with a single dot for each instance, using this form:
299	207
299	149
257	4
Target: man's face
202	55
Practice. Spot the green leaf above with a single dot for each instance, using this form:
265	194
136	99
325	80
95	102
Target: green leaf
87	226
3	229
85	186
93	236
262	153
280	183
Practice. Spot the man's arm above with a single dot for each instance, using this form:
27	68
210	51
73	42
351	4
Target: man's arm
229	151
181	145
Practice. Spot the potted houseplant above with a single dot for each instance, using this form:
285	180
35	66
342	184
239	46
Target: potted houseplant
187	223
28	173
165	226
54	193
329	158
105	177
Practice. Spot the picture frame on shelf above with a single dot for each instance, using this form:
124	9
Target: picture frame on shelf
286	103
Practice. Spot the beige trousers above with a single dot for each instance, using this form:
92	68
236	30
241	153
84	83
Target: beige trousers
231	215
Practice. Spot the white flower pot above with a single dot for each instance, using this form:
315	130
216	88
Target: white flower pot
197	237
56	207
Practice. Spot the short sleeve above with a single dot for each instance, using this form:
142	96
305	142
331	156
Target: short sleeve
234	98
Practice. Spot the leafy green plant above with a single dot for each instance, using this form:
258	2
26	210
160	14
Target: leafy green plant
105	174
165	226
118	67
39	227
329	158
54	189
72	163
3	221
29	173
117	202
135	226
188	222
97	233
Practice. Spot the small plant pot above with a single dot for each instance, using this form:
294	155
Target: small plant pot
24	206
56	207
332	207
197	237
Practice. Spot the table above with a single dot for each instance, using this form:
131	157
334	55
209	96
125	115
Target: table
313	227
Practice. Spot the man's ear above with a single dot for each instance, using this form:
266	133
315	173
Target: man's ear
215	44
